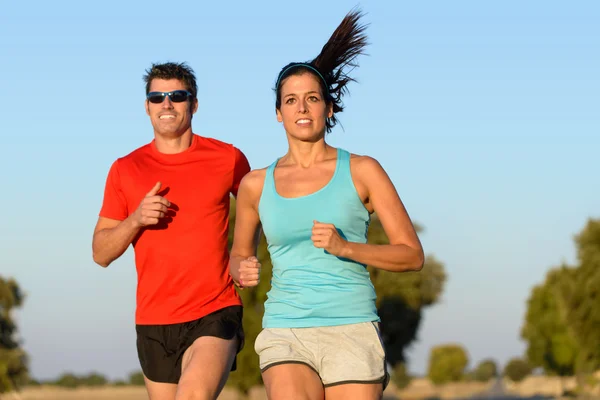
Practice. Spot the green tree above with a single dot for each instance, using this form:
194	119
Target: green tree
549	338
582	298
485	370
563	317
247	373
400	375
401	299
13	360
517	369
447	363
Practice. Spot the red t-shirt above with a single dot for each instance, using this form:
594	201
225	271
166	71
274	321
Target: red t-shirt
182	266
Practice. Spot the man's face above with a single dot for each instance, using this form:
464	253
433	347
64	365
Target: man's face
170	119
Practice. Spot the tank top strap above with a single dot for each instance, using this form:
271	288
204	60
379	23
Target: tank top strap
344	157
343	170
269	183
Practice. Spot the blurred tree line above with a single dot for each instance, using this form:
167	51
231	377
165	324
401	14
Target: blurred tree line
562	323
448	363
92	379
401	300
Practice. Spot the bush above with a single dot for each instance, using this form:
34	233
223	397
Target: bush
486	370
517	369
67	380
93	379
447	363
70	380
248	373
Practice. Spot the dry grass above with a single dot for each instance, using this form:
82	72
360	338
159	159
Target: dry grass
124	393
418	389
106	393
55	393
422	388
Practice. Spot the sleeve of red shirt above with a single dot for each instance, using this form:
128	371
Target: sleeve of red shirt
114	204
240	168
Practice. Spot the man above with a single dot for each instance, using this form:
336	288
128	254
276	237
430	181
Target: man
170	200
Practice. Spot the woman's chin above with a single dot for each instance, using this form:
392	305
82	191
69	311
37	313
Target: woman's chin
310	137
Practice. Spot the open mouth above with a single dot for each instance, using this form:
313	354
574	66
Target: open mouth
304	121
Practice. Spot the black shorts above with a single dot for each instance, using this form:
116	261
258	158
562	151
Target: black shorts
161	347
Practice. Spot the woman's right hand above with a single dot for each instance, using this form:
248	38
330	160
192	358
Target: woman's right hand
245	272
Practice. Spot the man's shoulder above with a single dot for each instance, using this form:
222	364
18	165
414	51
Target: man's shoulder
141	151
210	143
132	157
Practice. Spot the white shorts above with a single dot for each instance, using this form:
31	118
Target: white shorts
338	354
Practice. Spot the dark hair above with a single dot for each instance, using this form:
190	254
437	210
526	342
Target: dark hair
344	45
170	70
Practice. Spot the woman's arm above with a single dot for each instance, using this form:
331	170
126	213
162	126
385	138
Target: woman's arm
404	253
244	267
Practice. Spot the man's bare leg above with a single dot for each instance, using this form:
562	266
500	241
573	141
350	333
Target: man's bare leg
159	390
205	368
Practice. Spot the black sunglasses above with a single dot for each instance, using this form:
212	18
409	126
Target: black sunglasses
176	96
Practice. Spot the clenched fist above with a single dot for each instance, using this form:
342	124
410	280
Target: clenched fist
245	272
152	208
326	236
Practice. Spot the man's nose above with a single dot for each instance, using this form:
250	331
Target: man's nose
167	104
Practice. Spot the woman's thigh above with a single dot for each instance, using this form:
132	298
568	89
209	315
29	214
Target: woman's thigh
292	381
357	391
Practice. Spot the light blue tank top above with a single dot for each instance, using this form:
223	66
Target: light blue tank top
309	286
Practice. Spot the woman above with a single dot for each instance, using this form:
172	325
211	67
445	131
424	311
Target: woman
320	336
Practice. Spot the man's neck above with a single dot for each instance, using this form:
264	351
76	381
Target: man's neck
173	145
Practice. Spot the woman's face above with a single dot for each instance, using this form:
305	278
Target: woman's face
303	109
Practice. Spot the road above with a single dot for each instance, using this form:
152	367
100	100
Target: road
498	392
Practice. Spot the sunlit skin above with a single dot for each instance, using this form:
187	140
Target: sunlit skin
172	122
303	110
308	166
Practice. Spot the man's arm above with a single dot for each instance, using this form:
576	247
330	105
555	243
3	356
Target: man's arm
112	237
241	167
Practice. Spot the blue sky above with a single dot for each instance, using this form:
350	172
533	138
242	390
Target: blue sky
486	116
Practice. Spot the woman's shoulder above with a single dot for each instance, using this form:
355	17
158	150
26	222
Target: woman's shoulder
364	163
254	177
252	183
